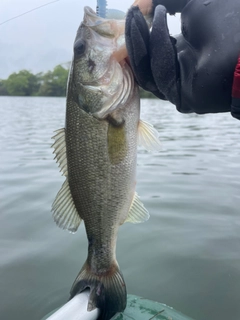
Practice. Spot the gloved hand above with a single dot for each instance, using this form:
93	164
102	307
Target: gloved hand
195	69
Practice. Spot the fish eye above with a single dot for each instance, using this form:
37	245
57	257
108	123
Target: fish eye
79	47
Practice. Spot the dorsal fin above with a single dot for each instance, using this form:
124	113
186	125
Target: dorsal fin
64	211
59	147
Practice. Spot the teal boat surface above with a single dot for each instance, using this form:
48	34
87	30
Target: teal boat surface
139	308
143	309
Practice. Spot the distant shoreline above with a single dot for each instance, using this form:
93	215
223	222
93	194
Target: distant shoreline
49	84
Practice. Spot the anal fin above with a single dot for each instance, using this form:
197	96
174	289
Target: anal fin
137	212
64	211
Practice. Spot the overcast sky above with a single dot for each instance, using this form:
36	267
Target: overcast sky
44	38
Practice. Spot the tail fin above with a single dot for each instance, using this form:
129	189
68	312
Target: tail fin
107	290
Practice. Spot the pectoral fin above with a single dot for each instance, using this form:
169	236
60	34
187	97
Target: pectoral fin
137	213
148	136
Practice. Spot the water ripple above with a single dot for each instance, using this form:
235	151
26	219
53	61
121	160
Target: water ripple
191	189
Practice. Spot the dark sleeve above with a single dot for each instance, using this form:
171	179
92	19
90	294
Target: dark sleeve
194	70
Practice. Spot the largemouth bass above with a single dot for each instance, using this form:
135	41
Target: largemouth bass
97	152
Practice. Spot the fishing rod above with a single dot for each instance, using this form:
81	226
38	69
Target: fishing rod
22	14
75	309
101	9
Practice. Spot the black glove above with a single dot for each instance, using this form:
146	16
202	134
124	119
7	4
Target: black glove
194	70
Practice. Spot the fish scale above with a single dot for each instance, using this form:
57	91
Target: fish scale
96	179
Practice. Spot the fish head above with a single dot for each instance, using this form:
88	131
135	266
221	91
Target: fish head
96	72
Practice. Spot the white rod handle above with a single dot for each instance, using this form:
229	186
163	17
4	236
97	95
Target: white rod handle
76	309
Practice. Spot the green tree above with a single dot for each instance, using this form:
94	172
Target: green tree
51	83
54	83
23	83
3	89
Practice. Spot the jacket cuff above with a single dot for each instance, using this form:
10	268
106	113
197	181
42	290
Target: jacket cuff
235	107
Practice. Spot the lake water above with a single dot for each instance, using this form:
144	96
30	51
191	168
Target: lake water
187	255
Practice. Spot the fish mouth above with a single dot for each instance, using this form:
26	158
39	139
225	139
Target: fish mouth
91	19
